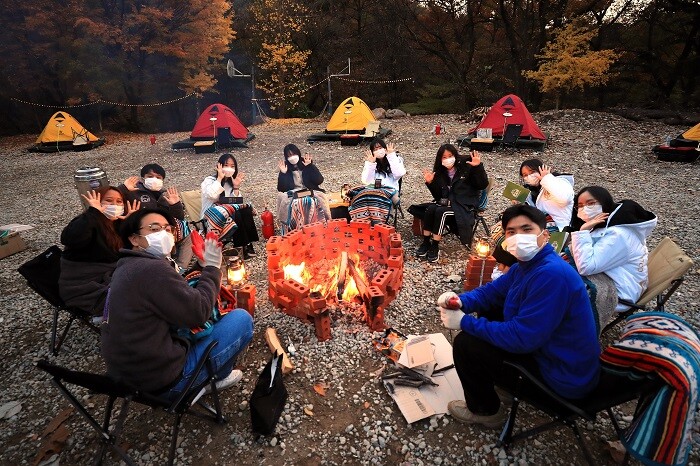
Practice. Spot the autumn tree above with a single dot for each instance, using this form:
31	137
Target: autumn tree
567	62
282	62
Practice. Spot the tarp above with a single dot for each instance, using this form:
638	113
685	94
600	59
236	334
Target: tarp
351	116
206	128
693	134
519	114
62	127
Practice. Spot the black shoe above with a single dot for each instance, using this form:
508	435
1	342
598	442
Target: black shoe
248	251
424	247
434	252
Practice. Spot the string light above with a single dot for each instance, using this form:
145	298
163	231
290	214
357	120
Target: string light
381	81
102	101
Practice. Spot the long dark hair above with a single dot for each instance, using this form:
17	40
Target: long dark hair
132	224
598	193
382	164
222	160
108	228
291	149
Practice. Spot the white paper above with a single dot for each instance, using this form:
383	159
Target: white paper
16	227
418	351
412	403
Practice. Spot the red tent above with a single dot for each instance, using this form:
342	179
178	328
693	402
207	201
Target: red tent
518	115
206	128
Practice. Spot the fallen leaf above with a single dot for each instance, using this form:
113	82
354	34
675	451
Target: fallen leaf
321	388
308	412
366	404
57	421
54	443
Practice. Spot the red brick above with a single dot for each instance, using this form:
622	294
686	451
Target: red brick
273	243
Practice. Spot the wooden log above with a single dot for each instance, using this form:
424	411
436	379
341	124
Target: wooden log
342	272
273	342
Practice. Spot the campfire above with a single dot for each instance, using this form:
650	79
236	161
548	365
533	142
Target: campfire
335	264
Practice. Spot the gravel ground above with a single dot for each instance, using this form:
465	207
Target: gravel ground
356	422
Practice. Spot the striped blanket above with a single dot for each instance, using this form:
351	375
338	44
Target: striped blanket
665	345
373	204
302	211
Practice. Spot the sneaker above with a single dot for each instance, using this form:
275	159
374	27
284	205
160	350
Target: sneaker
424	247
433	252
458	409
233	378
249	251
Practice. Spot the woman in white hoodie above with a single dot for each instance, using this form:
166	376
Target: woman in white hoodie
550	192
610	238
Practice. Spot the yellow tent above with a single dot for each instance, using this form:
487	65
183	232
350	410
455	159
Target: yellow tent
693	133
351	116
62	127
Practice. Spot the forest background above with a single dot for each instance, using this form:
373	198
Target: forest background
153	65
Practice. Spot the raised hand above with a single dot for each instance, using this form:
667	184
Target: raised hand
369	156
282	166
476	159
131	207
240	178
544	170
130	183
390	147
428	175
172	196
220	171
600	218
306	159
93	200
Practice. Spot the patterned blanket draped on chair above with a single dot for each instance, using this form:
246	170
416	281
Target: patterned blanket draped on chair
302	211
666	345
374	204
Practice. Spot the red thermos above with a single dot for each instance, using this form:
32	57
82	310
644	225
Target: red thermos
268	223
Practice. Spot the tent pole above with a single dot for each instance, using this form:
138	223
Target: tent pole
330	100
252	91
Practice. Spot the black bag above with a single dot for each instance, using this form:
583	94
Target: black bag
268	398
42	274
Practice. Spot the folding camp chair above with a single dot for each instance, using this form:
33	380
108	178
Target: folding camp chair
99	384
397	208
193	208
371	130
511	135
448	224
42	275
612	390
667	265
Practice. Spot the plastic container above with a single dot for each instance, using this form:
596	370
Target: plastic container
89	179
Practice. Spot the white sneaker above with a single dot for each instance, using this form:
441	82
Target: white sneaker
234	377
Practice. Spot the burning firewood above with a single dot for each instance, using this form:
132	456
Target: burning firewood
362	288
342	272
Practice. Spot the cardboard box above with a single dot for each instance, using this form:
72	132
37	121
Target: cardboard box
11	244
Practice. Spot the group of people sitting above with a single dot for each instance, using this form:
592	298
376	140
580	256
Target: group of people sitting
125	254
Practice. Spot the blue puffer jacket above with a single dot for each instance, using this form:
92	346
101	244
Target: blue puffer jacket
546	312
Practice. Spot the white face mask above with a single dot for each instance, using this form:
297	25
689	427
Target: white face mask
113	211
589	211
532	179
228	171
160	243
496	273
154	184
523	245
380	153
293	159
449	162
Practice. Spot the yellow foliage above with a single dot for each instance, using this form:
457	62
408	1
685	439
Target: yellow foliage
567	63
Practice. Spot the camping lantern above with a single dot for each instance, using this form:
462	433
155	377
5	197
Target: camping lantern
483	248
235	272
506	115
153	140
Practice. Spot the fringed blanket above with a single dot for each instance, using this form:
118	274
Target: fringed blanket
373	204
665	345
603	295
301	211
220	218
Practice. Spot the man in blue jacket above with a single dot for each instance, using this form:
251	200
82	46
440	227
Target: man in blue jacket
538	314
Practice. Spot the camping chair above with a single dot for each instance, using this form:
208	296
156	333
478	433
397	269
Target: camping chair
193	208
397	208
42	275
99	384
511	135
371	130
223	137
612	390
667	265
448	224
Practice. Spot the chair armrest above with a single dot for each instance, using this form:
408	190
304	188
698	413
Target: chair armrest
630	304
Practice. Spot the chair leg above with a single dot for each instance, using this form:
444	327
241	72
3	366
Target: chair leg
173	440
56	343
506	436
582	443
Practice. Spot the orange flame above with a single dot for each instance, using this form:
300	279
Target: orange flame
326	285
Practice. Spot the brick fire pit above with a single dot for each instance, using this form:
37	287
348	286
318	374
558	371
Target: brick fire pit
319	241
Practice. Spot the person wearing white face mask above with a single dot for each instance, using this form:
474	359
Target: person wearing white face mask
382	163
455	183
299	173
148	298
537	315
224	187
610	238
149	191
551	192
91	249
